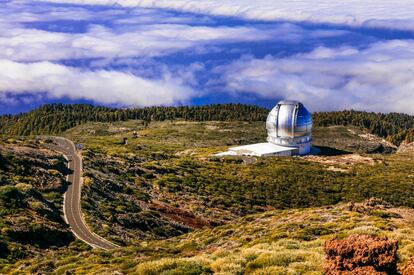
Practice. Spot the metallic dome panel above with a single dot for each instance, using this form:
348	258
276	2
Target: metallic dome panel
285	126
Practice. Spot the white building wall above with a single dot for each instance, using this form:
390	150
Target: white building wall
280	154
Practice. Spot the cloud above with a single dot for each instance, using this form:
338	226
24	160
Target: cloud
142	52
24	12
101	86
24	44
372	13
379	78
21	44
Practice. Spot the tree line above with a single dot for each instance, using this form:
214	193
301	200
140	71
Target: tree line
395	127
56	118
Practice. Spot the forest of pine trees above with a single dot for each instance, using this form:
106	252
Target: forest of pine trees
395	127
56	118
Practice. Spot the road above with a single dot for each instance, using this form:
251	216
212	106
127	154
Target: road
71	204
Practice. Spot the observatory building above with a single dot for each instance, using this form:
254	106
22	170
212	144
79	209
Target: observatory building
289	133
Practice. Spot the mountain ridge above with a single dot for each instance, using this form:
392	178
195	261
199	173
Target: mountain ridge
57	118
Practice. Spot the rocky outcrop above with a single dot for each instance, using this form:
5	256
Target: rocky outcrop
369	205
361	254
406	147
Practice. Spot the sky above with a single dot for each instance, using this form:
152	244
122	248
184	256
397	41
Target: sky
330	55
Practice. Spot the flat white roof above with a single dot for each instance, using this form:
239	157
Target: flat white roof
227	153
261	149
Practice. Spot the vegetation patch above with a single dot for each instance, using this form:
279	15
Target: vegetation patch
248	245
176	209
165	182
31	190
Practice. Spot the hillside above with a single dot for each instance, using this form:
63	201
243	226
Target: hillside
168	173
396	127
31	193
274	242
57	118
175	208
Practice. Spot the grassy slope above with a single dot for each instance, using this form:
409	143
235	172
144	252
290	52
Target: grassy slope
133	195
31	194
274	242
167	175
350	139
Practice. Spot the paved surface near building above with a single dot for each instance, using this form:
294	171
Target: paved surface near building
71	206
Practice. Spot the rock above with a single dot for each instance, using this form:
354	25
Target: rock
406	147
369	205
361	254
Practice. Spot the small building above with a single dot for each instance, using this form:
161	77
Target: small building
289	133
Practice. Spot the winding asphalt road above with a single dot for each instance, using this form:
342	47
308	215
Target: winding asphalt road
71	204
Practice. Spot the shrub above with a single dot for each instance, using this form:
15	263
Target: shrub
10	198
4	250
274	259
361	252
172	267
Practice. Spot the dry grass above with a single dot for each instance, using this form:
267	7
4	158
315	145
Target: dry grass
275	242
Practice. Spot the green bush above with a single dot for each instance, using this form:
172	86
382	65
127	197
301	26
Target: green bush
11	199
274	259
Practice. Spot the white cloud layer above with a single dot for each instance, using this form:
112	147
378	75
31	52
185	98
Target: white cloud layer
372	13
379	78
23	44
23	11
140	46
105	87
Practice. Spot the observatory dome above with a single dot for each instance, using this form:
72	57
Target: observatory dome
289	123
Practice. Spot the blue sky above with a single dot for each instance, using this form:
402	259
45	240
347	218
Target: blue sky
330	55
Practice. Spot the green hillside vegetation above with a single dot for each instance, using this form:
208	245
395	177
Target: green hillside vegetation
31	189
274	242
176	209
57	118
396	127
350	139
140	189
